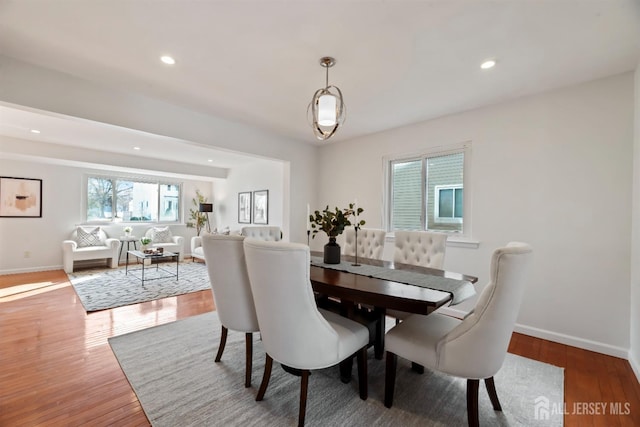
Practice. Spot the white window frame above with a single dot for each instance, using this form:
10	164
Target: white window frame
456	237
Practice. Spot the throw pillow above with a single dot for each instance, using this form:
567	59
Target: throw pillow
161	235
86	238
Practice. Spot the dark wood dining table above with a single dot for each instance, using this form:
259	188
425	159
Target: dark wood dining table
353	291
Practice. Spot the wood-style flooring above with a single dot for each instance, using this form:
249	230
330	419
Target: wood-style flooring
57	369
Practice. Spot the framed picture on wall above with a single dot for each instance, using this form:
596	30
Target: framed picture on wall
244	207
261	207
20	197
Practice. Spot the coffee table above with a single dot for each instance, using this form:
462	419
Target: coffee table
155	258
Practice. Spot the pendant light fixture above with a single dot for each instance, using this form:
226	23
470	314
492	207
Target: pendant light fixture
327	111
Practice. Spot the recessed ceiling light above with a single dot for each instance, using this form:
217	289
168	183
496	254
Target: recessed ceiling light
490	63
35	131
209	160
167	60
136	148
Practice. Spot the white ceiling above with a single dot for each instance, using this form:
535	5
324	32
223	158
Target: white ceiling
256	62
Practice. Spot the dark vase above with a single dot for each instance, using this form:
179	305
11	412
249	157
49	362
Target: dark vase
332	252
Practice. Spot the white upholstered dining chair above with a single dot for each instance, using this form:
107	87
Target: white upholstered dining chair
370	242
268	233
224	257
423	248
473	348
294	331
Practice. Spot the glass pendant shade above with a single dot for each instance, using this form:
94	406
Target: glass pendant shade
327	110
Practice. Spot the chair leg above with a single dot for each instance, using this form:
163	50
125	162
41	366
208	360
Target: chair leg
491	389
390	378
472	402
363	381
304	385
249	358
223	342
345	370
265	378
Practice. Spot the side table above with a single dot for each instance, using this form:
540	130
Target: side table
128	240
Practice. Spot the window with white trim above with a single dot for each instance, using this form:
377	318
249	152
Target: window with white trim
116	199
426	191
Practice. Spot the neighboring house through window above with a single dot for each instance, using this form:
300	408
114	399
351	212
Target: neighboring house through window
427	191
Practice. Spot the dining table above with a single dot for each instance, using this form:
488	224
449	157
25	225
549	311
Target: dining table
364	289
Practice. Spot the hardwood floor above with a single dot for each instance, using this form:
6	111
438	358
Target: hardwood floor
56	367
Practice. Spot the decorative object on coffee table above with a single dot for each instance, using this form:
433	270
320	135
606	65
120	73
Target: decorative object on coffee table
333	223
144	242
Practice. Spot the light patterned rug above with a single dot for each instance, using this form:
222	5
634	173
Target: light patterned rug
100	289
172	371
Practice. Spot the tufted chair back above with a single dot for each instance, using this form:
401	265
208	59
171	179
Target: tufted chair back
370	242
423	248
269	234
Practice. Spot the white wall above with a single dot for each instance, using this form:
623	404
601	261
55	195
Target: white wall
257	175
32	86
634	353
62	189
553	170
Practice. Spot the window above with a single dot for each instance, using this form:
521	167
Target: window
126	200
426	192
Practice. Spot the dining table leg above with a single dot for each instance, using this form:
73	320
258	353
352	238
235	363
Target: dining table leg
378	345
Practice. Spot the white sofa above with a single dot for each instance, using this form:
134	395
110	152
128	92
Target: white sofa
175	243
73	251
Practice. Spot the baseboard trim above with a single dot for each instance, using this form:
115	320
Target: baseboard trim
585	344
635	365
30	269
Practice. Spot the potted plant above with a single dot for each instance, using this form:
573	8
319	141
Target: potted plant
198	219
144	241
333	223
127	231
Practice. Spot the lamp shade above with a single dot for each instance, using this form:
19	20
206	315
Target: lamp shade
206	207
327	110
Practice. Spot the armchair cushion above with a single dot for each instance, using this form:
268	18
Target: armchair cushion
91	237
161	235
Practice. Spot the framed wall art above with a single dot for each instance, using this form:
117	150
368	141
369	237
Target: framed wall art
261	207
20	197
244	207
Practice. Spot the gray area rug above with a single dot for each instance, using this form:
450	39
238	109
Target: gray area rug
172	370
109	288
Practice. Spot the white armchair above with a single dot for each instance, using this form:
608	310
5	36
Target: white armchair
269	234
93	243
473	348
161	237
196	248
